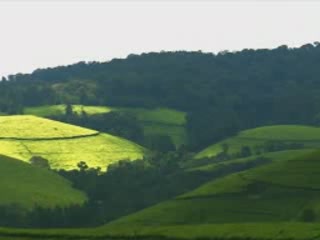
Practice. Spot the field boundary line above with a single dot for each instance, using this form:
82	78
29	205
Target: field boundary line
52	138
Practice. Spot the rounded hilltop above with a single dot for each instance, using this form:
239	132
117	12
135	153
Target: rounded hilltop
63	145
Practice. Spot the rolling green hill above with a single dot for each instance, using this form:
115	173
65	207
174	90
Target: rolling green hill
267	202
282	191
255	138
159	121
62	144
26	186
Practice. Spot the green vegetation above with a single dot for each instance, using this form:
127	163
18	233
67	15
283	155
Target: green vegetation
25	185
222	93
62	144
243	231
218	96
274	156
163	121
54	110
163	116
158	121
257	137
276	192
29	127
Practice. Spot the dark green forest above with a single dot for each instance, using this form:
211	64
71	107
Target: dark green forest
222	93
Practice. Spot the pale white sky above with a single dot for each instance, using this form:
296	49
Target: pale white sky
42	34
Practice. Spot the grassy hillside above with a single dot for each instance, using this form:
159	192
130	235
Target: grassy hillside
273	156
62	144
277	192
258	204
254	138
162	121
26	185
159	121
27	127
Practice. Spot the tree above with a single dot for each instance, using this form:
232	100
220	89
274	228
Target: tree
82	166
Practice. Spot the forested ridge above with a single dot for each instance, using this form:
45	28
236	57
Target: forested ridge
222	93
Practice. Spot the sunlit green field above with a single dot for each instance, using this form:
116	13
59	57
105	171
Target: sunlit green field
30	127
159	121
62	144
26	185
309	136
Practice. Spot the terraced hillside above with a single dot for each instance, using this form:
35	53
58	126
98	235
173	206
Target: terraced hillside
160	121
26	186
62	144
308	136
285	190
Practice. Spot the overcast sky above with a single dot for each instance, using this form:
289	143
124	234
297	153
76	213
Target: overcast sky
42	34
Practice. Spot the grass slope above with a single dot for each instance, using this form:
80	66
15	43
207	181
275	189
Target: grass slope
309	136
28	127
26	185
162	121
159	121
62	144
276	192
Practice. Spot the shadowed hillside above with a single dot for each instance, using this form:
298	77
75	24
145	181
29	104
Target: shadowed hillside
26	186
